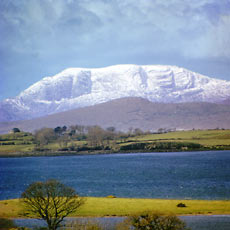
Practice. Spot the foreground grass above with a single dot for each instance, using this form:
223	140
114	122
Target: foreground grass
98	207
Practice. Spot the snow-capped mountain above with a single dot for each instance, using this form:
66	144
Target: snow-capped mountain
80	87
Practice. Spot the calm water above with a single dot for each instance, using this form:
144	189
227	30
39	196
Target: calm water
195	175
217	222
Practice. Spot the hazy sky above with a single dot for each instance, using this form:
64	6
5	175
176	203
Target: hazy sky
39	38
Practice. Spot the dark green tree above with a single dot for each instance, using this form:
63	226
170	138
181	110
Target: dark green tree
111	129
51	200
58	130
16	130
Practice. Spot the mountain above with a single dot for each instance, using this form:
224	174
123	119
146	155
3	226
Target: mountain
134	112
79	87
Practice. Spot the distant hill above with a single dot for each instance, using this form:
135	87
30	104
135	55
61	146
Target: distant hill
80	87
136	113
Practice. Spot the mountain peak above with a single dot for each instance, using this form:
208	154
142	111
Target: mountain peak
80	87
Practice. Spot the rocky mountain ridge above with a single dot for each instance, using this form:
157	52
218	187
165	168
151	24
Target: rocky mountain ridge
80	87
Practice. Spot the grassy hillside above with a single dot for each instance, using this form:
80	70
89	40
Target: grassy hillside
95	206
24	143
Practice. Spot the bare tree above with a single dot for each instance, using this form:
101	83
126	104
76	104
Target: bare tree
154	221
51	200
44	136
138	132
95	135
63	140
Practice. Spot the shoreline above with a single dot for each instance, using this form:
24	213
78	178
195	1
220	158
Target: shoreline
24	145
85	153
109	217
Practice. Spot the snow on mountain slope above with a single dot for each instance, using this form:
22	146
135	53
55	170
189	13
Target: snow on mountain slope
79	87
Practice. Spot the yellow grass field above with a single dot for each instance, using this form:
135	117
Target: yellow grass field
100	207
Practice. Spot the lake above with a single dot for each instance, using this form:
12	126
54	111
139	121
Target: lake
189	175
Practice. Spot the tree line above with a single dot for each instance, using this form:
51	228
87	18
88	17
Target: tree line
80	138
96	136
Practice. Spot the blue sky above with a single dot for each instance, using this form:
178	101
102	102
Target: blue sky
39	38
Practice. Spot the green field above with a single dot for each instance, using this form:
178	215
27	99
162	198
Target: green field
16	142
204	137
23	143
101	207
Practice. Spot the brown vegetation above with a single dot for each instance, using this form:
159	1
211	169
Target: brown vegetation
134	112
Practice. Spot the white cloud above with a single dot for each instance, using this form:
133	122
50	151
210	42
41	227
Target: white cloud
213	41
220	38
46	29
